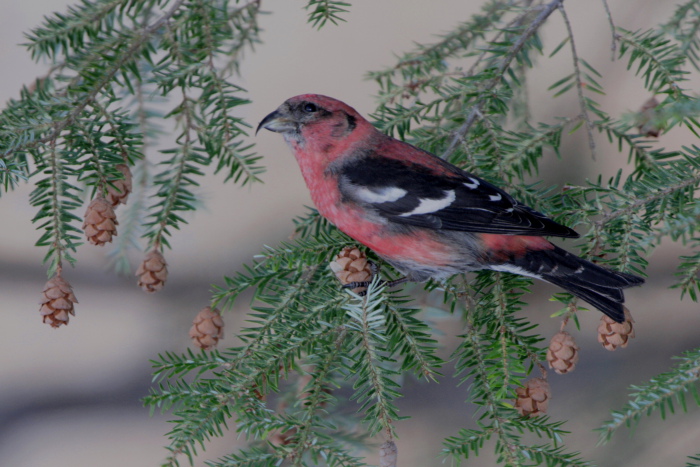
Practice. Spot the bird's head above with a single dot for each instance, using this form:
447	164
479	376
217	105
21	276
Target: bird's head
310	118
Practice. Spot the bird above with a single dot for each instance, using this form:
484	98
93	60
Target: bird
424	216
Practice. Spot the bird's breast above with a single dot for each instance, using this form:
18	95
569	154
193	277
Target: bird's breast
419	246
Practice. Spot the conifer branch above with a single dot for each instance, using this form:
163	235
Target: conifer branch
375	388
316	396
464	96
659	394
640	149
414	342
659	59
684	26
174	198
532	28
134	48
640	202
613	42
579	83
56	200
131	217
491	401
131	220
323	11
689	270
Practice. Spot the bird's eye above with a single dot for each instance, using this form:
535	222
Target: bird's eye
310	108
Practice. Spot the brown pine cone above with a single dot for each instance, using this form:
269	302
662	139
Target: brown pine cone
533	398
100	222
613	335
153	272
57	301
647	125
277	438
562	354
207	328
118	191
351	265
388	454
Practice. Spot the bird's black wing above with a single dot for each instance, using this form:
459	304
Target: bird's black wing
439	197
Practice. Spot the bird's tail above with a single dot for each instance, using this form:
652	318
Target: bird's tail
597	285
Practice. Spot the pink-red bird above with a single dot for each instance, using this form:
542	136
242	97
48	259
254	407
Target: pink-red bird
424	216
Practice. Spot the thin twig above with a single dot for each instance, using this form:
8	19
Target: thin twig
139	42
375	371
648	54
101	185
608	216
313	403
579	83
613	44
55	177
513	24
465	29
481	374
517	47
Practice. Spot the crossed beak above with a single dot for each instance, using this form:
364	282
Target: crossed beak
277	122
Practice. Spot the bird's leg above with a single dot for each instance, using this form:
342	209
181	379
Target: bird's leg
375	271
374	267
396	282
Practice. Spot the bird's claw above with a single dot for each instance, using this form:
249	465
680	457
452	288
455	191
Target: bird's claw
374	269
355	285
382	283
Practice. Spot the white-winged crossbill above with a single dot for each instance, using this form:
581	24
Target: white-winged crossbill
423	215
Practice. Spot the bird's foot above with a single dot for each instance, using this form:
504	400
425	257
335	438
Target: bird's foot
365	284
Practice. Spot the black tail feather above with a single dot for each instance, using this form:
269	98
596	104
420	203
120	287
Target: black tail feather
597	285
609	301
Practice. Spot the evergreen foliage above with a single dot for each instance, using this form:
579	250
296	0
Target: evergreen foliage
309	345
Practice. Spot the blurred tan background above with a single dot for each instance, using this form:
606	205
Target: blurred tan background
71	397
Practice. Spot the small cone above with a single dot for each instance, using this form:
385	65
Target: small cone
646	120
100	222
351	265
388	454
613	335
533	398
57	301
277	438
207	328
153	272
118	191
562	354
